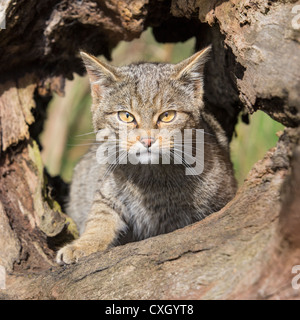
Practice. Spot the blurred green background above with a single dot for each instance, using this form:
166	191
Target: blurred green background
64	138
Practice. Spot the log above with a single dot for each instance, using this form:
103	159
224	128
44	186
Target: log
245	251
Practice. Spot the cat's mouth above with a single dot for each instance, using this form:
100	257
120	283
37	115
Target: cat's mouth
138	153
147	156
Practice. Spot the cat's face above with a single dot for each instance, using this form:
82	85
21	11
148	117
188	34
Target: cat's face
145	104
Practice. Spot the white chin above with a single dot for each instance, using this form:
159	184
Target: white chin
148	158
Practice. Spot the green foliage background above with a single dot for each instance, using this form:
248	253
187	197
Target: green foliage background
65	137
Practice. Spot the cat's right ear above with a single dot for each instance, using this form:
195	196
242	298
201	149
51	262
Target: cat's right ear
191	70
101	74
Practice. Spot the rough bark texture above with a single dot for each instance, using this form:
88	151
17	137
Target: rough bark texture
248	249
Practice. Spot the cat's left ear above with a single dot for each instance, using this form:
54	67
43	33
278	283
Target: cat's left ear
101	74
191	69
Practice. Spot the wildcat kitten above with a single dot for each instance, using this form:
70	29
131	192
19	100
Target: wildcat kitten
113	204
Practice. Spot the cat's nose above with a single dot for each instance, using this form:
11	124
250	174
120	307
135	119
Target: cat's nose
147	141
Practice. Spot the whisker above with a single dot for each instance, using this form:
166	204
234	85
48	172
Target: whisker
190	167
210	134
81	145
91	143
86	134
113	166
193	148
199	142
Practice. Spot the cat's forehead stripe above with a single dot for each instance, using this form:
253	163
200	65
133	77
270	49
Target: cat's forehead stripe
147	76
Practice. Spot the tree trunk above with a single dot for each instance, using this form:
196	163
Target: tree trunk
245	251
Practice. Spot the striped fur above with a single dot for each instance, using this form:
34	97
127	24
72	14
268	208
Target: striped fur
135	202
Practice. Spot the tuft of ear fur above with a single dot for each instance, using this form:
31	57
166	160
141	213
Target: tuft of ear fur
192	68
101	74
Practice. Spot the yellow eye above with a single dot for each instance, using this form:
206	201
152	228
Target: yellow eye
167	116
125	116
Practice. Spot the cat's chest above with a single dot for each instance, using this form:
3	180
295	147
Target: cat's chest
146	201
152	208
152	211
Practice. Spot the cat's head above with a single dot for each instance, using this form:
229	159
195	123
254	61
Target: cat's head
146	101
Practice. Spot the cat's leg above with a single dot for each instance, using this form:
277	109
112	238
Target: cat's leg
102	226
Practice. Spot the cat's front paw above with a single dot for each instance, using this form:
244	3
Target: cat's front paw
71	253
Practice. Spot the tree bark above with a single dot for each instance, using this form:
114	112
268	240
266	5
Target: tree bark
246	250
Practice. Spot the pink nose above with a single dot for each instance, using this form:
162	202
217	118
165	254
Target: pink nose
147	141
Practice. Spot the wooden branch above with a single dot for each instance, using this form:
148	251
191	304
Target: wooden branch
230	254
266	73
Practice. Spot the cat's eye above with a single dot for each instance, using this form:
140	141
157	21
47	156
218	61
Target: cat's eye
167	116
125	116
